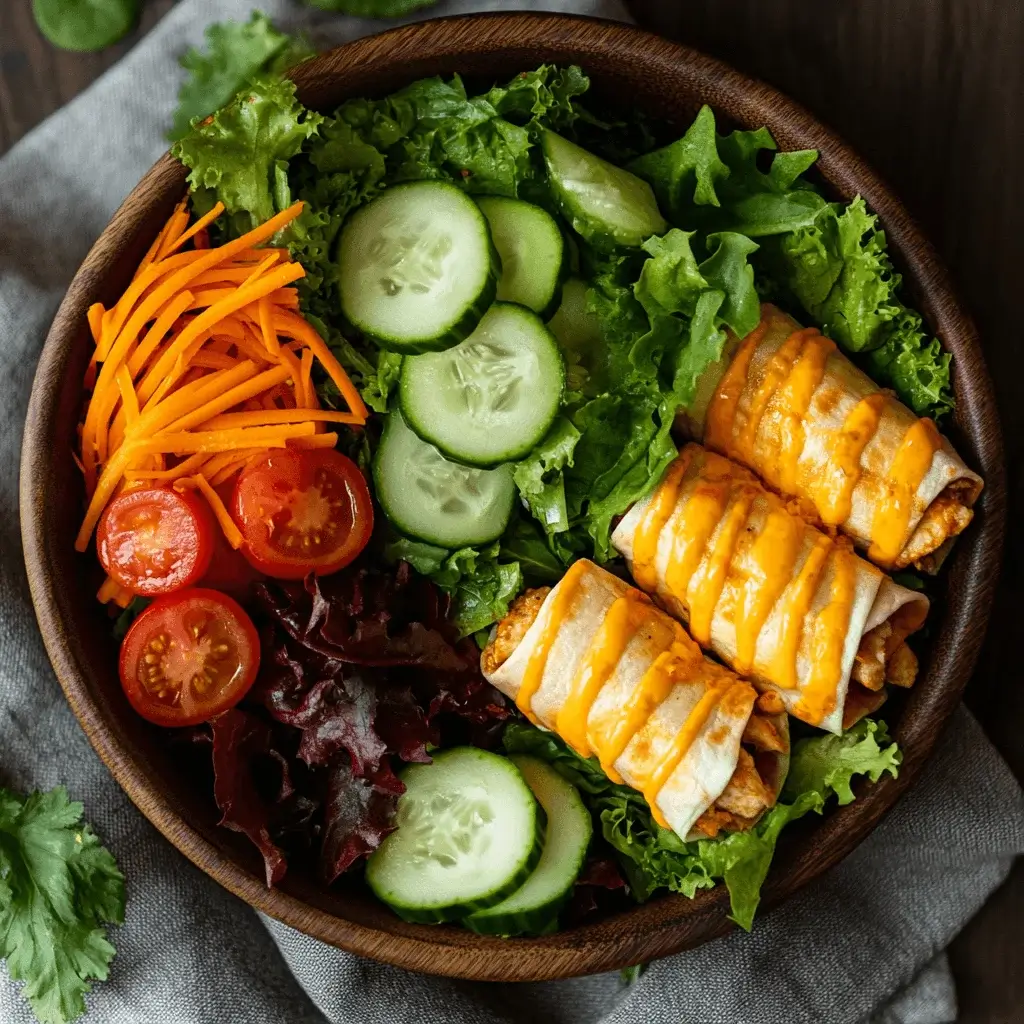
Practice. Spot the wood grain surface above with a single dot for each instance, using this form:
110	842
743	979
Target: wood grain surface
931	92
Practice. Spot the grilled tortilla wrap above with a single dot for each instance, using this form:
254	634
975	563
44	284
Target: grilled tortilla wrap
597	662
784	604
787	404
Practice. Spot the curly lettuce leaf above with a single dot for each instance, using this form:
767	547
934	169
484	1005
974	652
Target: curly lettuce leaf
240	155
655	858
235	53
838	269
481	587
713	182
58	889
688	304
539	475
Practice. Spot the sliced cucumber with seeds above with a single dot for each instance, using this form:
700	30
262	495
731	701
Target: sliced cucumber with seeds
608	206
532	250
427	496
469	833
416	267
491	398
533	908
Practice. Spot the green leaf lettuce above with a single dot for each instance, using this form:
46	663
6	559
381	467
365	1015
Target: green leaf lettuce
654	858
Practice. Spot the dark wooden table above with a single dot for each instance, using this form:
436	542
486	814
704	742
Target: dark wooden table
932	93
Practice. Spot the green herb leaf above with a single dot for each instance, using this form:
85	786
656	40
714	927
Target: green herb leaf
58	887
84	25
241	153
235	53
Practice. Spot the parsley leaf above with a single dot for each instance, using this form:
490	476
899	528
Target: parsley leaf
58	888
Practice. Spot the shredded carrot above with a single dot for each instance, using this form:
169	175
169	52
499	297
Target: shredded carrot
95	317
129	399
204	222
270	417
186	441
185	468
111	590
295	327
264	315
227	524
216	464
202	367
213	360
306	377
314	441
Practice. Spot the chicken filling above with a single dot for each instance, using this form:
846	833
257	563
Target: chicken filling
946	517
750	790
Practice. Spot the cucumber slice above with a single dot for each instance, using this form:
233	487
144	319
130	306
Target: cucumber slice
532	251
416	267
438	501
533	908
491	398
469	833
608	206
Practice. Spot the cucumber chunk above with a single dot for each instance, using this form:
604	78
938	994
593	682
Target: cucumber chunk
416	267
442	502
533	908
491	398
608	206
469	833
532	250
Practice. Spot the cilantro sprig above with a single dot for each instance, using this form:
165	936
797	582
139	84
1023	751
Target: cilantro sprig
59	888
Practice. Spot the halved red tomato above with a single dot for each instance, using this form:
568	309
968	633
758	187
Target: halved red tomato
302	511
189	656
155	540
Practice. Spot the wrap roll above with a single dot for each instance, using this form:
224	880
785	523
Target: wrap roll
790	607
787	404
597	662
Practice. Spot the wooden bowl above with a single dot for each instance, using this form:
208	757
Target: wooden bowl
628	67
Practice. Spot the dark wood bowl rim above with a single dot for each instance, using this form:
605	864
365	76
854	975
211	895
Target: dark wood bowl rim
671	923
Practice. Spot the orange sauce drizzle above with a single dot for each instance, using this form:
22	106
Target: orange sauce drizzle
702	513
832	490
773	556
620	624
909	466
721	414
818	699
780	366
611	735
794	399
709	579
656	515
560	604
660	773
797	603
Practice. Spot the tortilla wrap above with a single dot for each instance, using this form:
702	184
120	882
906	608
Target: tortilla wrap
782	603
696	742
786	403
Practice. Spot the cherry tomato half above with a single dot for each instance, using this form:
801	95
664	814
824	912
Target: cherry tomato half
189	656
155	540
302	511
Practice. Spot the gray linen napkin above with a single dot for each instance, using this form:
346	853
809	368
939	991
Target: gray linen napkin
862	938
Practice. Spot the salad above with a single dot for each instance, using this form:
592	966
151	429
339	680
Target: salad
501	500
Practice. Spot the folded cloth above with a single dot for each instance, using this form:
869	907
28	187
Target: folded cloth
857	944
